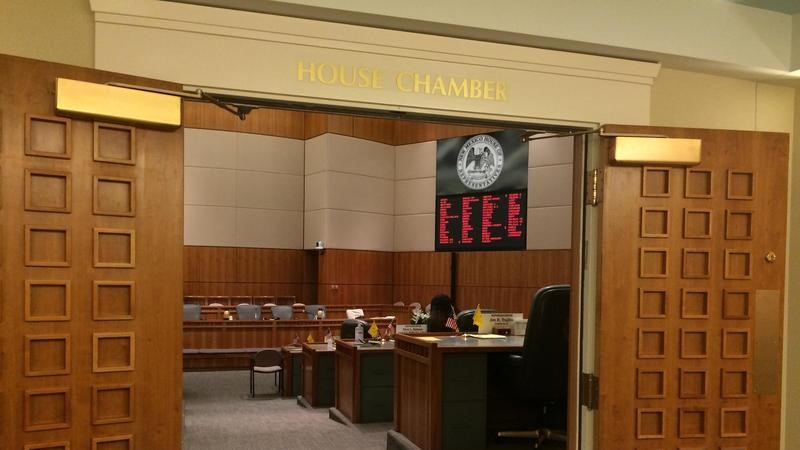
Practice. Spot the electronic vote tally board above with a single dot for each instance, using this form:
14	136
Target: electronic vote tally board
481	192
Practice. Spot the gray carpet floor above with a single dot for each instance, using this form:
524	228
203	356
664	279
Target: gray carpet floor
218	416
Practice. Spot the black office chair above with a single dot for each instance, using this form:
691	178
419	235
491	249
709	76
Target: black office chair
541	371
464	319
348	328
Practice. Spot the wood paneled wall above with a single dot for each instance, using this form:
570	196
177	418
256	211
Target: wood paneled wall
250	271
355	276
418	276
274	122
91	228
505	281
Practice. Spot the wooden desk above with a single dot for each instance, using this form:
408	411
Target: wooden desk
365	381
318	375
292	370
440	399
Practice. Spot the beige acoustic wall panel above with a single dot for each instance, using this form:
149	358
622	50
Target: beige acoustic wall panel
209	148
550	193
359	230
315	227
333	152
549	228
209	225
550	186
415	196
269	228
415	161
264	190
209	186
414	232
550	152
349	193
243	189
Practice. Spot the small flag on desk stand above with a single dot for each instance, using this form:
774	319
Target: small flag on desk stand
296	340
328	336
310	338
390	330
477	319
373	329
451	321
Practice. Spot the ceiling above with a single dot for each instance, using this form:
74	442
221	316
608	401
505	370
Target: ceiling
782	6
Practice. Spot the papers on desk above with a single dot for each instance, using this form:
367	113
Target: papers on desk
429	338
487	336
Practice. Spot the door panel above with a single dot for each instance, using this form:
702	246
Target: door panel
688	300
91	226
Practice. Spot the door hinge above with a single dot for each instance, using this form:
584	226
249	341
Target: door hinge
590	390
594	187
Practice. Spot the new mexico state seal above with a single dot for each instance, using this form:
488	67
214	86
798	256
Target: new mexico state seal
480	162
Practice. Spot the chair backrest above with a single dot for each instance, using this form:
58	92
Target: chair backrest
311	311
216	304
267	358
220	299
282	312
464	319
354	313
546	347
398	304
415	305
248	312
239	299
191	312
348	328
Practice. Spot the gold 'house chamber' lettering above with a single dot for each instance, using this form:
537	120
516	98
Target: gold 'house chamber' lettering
339	74
419	83
406	81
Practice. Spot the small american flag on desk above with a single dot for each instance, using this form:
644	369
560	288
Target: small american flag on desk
451	323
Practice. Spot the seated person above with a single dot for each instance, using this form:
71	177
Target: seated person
441	308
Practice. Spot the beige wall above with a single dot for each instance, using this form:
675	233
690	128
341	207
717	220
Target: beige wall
415	196
349	193
690	99
59	31
242	190
792	405
550	193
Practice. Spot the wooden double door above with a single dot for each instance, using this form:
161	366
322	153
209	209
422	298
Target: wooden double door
690	296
